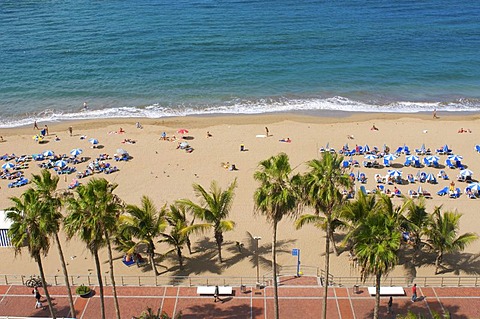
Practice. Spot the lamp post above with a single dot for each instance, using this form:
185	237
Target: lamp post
256	259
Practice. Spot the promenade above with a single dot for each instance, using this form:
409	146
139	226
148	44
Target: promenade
299	298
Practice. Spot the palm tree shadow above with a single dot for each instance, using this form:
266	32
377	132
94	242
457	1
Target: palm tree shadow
204	261
466	262
248	252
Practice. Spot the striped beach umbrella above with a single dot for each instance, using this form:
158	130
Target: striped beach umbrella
61	163
8	165
76	152
390	157
370	157
48	153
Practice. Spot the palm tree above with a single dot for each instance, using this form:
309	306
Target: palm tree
416	222
442	235
321	188
376	241
180	229
30	226
145	223
92	216
46	187
275	198
149	314
214	208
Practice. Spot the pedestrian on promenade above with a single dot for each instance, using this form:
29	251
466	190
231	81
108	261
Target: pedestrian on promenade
215	295
414	293
390	304
38	302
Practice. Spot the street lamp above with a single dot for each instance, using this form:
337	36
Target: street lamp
256	259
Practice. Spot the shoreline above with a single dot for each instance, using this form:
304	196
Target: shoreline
308	115
163	172
204	120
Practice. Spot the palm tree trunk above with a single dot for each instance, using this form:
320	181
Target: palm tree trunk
44	284
377	295
327	270
438	261
219	239
112	276
65	274
332	240
180	257
274	266
151	256
189	245
100	283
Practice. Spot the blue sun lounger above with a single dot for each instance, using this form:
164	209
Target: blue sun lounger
443	191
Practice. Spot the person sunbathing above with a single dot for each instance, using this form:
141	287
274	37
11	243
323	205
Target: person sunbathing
286	140
374	128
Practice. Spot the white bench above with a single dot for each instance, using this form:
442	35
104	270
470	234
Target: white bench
387	291
210	290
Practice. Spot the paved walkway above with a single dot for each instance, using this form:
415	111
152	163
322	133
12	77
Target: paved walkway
299	298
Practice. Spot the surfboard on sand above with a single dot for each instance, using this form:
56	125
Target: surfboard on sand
261	135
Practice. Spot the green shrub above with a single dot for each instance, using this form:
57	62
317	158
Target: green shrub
83	290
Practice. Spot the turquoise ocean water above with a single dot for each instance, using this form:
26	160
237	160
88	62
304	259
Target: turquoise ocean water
157	58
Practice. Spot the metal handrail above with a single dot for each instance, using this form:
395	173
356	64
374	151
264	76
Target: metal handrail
192	281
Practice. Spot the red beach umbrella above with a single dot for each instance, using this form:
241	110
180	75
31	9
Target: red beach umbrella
182	131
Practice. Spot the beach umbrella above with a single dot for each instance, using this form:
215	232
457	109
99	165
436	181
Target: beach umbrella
48	153
61	163
8	166
395	173
370	156
432	158
76	152
430	177
455	157
182	131
121	151
475	187
184	144
466	172
389	157
412	158
366	149
446	149
93	141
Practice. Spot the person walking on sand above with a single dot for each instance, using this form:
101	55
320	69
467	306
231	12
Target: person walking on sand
35	125
435	113
390	304
414	293
267	132
70	130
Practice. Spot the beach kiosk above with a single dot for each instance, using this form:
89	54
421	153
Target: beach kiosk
4	227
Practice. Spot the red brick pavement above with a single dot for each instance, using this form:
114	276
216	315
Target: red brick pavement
298	298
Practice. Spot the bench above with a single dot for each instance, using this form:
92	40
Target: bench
210	290
388	291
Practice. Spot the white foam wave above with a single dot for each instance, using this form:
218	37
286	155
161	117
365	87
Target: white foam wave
238	106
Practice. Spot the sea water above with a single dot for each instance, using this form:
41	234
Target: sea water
157	58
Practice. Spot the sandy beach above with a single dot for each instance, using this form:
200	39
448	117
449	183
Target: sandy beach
164	173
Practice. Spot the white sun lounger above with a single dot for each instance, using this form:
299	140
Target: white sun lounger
388	291
210	290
